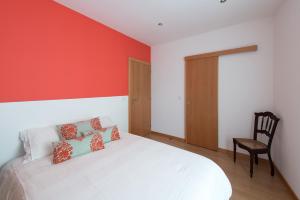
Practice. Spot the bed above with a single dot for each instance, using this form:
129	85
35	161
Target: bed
132	168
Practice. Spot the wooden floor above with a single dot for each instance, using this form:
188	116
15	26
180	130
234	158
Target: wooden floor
261	187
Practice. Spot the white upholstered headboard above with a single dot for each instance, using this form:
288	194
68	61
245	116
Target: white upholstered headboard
18	116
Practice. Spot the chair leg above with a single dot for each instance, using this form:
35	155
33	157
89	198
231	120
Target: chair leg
251	164
234	150
271	164
256	159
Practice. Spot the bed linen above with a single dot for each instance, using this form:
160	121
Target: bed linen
133	168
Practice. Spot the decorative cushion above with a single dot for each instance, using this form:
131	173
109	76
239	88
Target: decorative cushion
67	149
37	142
110	134
75	130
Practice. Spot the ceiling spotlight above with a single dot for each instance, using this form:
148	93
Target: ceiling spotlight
223	1
160	24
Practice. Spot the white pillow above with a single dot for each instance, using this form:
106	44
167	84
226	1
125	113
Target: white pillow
38	142
106	122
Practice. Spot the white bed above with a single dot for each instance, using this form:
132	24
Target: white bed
133	168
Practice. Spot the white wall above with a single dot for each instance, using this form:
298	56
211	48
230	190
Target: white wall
18	116
245	80
287	95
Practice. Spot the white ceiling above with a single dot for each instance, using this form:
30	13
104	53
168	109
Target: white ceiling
181	18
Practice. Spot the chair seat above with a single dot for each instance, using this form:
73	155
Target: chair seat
251	144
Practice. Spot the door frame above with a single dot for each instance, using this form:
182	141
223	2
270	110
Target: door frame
130	59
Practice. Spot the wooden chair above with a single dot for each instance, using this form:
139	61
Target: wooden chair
265	123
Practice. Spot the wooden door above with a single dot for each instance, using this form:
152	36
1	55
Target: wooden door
201	103
139	97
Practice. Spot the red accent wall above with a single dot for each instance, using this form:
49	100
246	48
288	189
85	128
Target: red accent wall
48	51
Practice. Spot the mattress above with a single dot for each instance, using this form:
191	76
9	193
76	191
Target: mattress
132	168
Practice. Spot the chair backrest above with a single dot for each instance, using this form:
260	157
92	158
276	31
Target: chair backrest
265	123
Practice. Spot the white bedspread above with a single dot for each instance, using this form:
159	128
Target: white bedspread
133	168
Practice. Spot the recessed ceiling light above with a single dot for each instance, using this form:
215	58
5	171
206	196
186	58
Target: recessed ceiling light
223	1
160	24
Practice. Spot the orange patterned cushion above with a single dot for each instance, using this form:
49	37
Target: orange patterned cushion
110	134
74	130
67	149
